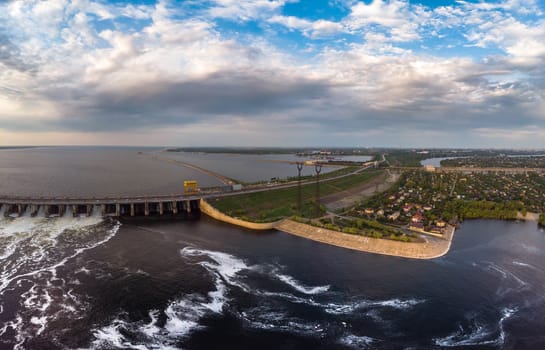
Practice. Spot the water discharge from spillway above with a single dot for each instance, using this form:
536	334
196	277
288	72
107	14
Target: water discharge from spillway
32	250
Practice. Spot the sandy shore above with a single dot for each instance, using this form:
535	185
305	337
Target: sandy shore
432	247
528	217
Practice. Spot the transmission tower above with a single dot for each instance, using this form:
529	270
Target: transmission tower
318	169
299	196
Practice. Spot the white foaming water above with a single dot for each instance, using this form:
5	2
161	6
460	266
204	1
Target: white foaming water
532	267
14	325
357	342
184	314
44	239
270	319
512	283
32	249
111	335
300	287
348	308
182	318
522	264
224	265
478	334
531	249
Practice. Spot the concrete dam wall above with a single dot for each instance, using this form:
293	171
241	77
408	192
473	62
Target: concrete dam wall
34	208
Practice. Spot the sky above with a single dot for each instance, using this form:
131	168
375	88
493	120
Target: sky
345	73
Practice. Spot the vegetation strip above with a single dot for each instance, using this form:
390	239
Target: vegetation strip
277	204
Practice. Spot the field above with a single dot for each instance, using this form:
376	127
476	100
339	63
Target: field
277	204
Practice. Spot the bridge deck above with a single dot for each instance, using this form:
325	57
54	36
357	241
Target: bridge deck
99	201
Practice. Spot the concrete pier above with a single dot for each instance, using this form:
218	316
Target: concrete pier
34	208
12	210
125	209
54	210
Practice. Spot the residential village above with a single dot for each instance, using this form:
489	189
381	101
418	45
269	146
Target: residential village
425	201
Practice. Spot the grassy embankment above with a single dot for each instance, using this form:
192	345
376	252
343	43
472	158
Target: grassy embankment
274	205
542	220
363	227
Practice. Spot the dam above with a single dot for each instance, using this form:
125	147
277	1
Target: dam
180	205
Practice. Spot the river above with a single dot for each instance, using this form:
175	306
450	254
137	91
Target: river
158	283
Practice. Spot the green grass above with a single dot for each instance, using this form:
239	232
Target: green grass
338	172
277	204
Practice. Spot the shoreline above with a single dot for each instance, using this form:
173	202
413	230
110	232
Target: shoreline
431	248
528	217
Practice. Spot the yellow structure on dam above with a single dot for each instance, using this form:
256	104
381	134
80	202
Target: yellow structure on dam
191	187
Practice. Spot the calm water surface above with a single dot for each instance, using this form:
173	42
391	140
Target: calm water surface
73	171
253	168
436	162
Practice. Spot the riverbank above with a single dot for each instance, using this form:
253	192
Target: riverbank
432	247
214	213
528	217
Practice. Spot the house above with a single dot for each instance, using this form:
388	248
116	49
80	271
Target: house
429	168
394	216
417	217
416	226
440	223
369	211
380	212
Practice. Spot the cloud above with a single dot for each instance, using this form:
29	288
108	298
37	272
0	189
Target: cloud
218	96
314	29
244	10
10	54
396	16
118	69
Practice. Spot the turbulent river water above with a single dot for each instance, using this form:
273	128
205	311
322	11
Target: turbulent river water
160	283
88	283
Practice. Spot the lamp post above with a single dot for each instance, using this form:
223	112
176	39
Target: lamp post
318	169
299	199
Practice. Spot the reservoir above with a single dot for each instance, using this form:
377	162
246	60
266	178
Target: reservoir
156	283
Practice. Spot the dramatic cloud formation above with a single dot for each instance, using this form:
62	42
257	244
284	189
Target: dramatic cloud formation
273	72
